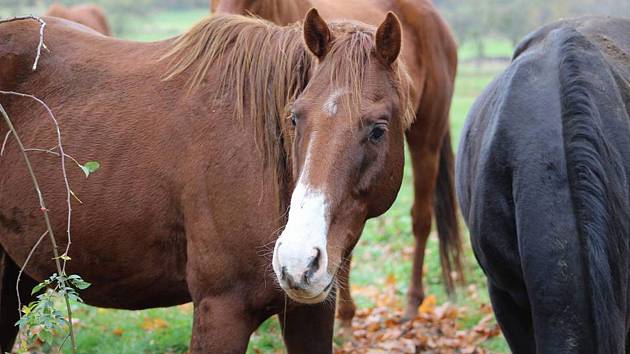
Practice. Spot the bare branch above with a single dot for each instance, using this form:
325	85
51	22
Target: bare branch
50	151
63	155
41	33
28	258
62	343
42	204
4	143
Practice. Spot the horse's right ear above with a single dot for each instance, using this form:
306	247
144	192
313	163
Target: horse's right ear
316	34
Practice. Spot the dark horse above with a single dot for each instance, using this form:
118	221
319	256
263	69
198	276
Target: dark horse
430	54
542	178
204	142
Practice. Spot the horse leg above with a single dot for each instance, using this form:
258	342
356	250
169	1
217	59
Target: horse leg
9	312
309	328
425	167
347	308
221	325
515	321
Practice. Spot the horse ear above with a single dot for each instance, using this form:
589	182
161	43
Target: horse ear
316	34
389	39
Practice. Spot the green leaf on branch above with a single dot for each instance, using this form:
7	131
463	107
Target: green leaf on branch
40	286
78	282
90	167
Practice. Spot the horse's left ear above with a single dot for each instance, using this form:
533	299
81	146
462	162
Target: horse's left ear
389	39
316	34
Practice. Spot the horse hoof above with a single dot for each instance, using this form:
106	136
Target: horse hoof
410	314
344	330
345	324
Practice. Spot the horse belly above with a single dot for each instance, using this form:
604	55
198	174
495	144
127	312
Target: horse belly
130	246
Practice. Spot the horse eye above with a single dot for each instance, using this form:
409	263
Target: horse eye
293	119
377	133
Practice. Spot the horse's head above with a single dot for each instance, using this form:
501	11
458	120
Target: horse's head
348	152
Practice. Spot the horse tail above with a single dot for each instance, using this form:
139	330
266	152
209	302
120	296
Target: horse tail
445	209
597	186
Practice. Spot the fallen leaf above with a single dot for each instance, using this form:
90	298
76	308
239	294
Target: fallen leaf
151	324
428	305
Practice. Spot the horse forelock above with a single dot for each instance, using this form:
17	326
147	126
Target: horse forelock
349	58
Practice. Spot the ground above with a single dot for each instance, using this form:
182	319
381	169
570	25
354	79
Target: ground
381	268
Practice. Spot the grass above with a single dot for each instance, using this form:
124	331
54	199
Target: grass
493	48
385	241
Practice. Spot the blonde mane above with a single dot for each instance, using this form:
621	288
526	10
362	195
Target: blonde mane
265	67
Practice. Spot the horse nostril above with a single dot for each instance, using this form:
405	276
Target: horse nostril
291	283
283	273
313	266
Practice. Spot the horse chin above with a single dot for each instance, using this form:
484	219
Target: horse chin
308	298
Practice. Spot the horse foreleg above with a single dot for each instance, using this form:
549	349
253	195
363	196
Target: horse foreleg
9	312
347	308
221	325
309	328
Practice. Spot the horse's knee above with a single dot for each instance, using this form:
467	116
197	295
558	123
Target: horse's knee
421	221
221	326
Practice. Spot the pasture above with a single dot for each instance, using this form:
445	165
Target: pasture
381	264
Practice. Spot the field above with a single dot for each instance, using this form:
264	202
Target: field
381	259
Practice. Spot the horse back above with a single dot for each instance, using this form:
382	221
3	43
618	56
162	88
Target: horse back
542	180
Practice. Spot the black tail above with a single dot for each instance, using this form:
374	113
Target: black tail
445	210
598	191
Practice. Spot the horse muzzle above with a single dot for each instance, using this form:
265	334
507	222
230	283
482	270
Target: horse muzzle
301	271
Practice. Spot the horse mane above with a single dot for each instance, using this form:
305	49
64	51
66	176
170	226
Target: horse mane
264	67
598	185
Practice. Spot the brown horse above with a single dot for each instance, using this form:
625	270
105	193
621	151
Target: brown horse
89	15
430	53
200	166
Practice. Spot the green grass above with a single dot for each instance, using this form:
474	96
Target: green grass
160	25
376	257
493	48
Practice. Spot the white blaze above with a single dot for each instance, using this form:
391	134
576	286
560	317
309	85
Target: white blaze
330	106
305	232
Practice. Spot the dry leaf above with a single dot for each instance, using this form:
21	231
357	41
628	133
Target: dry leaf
428	305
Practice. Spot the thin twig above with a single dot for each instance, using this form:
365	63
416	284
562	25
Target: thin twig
28	258
42	24
62	154
4	143
44	210
50	151
62	343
